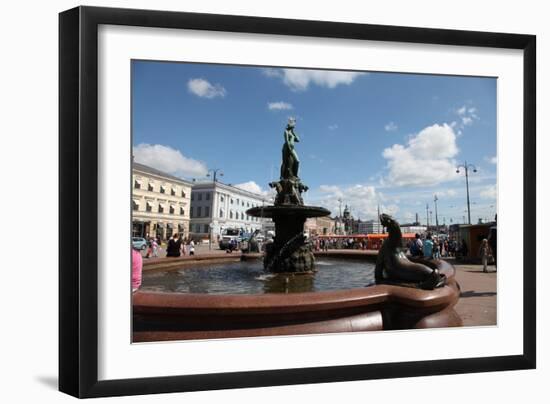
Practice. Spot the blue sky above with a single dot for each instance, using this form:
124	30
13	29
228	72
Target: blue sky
367	138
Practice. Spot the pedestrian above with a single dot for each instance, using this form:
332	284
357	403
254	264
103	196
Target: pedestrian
492	240
416	246
174	246
436	249
149	247
464	249
191	247
183	246
484	252
137	269
155	247
428	247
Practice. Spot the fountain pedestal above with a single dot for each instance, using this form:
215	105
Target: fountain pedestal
289	251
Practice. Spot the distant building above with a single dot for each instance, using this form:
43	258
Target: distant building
216	206
413	228
472	234
160	203
369	227
320	226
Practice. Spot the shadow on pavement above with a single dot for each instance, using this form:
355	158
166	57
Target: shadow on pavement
472	293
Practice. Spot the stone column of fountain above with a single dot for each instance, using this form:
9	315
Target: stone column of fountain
289	252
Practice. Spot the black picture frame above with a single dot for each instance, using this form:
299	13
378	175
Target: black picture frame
78	178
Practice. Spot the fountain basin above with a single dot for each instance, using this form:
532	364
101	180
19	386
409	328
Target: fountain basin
183	316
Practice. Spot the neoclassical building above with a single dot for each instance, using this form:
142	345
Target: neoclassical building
216	206
160	203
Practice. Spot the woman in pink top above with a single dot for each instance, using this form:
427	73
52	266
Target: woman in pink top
137	266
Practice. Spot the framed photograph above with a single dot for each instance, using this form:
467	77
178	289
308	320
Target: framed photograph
250	201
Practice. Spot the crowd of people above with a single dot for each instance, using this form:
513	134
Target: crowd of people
432	247
435	247
324	244
176	246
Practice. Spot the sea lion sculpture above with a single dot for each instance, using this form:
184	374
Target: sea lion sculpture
394	267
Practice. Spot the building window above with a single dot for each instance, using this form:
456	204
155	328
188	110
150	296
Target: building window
207	211
149	207
242	203
221	198
173	192
199	196
150	187
183	194
231	201
182	211
191	212
172	209
242	216
237	201
192	196
162	189
247	204
199	211
231	214
221	212
137	185
161	208
208	196
135	205
206	228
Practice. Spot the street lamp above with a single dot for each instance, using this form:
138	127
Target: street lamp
215	172
467	167
340	217
436	220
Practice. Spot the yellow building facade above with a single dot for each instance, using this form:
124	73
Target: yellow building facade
160	203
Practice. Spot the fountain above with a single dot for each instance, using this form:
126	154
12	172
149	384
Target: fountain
289	252
222	297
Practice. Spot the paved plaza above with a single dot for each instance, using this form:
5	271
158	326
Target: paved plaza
478	298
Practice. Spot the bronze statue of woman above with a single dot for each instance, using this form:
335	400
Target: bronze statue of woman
290	164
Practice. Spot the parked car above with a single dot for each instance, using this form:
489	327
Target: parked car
139	243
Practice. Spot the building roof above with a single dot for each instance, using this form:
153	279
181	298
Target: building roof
211	185
154	171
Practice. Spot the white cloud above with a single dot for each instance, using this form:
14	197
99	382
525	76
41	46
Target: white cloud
251	186
333	189
390	127
333	127
489	192
467	115
169	160
203	88
426	159
300	79
466	120
494	160
363	200
279	106
447	193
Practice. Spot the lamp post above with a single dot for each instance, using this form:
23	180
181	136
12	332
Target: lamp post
467	167
427	218
436	220
215	172
340	217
